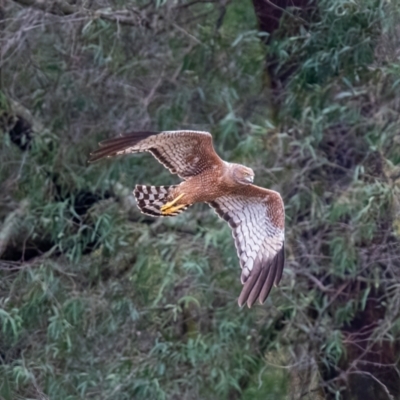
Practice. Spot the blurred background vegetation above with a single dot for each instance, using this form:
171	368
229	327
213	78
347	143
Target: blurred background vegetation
100	302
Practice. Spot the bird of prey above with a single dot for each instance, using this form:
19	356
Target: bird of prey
255	215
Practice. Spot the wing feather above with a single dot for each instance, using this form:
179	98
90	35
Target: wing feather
186	153
256	217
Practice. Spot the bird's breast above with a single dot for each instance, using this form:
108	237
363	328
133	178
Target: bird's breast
202	188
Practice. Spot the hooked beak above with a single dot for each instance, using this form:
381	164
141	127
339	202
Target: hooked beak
250	178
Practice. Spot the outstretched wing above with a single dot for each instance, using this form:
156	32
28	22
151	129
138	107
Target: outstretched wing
257	219
186	153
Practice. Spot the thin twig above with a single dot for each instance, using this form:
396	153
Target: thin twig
130	16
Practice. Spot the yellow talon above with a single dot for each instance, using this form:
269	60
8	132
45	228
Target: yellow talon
172	210
169	208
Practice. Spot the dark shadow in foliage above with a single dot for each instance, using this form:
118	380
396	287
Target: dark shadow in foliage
344	150
18	128
25	248
21	133
292	14
368	369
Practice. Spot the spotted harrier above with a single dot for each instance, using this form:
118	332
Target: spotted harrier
255	215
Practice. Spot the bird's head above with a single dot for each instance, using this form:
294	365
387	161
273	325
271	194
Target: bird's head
242	174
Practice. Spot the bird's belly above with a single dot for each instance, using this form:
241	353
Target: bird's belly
198	191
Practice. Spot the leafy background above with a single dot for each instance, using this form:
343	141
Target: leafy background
100	302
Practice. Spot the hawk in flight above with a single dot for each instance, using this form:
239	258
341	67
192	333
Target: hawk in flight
255	215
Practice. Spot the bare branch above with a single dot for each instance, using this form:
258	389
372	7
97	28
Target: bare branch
130	16
57	7
8	229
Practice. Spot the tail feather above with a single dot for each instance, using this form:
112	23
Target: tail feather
151	198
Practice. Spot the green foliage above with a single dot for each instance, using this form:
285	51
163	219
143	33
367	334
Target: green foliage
100	302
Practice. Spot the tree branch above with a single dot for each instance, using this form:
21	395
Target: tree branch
57	7
131	16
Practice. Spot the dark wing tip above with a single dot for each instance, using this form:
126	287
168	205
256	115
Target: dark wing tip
95	156
249	284
263	276
128	138
280	263
103	152
110	147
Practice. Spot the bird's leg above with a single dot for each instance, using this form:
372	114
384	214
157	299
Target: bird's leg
169	207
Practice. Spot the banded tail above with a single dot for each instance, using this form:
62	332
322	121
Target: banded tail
157	201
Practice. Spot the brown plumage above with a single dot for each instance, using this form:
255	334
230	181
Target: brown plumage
255	215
